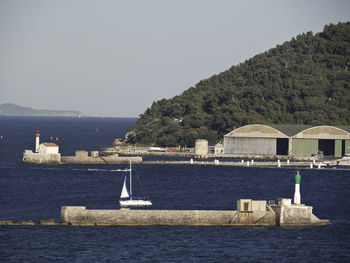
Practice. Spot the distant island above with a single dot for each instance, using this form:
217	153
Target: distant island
9	109
303	81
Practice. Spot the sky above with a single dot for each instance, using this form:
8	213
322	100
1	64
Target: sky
115	58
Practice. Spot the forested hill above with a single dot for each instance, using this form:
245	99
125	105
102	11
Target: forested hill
303	81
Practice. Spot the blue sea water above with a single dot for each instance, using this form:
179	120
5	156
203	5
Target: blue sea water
38	191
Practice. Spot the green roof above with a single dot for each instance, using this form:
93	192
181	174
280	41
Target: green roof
345	128
293	129
290	129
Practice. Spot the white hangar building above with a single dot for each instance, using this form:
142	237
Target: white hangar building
293	140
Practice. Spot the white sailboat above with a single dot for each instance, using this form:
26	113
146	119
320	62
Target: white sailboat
127	199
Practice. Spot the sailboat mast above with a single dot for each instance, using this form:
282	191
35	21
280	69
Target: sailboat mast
130	182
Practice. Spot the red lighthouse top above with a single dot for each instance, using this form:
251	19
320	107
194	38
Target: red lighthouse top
37	133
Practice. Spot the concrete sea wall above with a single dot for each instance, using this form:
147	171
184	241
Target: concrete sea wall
79	216
274	216
100	159
81	157
41	158
295	215
236	163
42	222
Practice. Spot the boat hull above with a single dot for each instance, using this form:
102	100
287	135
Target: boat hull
344	163
134	202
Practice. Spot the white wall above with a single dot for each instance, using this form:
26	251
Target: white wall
236	145
44	149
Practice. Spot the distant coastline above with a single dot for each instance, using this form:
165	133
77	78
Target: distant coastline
9	109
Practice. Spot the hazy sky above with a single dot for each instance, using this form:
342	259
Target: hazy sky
114	58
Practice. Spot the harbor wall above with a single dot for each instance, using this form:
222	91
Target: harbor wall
255	218
235	163
295	214
41	158
80	216
100	159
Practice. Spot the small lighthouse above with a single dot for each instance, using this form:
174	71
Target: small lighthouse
297	197
37	140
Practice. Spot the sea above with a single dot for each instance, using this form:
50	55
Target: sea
34	192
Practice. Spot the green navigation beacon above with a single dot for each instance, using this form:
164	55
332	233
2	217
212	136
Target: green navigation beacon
297	196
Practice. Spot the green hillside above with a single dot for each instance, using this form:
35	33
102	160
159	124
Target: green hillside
303	81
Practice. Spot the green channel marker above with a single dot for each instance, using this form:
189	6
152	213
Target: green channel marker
297	196
297	178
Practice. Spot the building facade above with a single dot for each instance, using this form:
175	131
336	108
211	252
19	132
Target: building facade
48	148
292	140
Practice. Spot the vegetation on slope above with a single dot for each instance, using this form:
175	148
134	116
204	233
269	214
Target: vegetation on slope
303	81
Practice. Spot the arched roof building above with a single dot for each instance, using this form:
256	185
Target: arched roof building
294	140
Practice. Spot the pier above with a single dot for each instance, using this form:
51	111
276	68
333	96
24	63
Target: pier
250	163
249	213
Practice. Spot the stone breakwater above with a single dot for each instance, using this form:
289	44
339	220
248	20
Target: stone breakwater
81	157
80	216
100	160
275	215
43	222
238	163
249	213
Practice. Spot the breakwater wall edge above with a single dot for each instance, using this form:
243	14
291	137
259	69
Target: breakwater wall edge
249	213
246	215
45	158
38	158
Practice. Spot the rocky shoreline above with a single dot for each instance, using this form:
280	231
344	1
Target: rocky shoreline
41	222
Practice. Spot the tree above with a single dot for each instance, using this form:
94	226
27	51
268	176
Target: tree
302	81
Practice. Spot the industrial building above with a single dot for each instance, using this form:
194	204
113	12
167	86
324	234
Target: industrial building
292	140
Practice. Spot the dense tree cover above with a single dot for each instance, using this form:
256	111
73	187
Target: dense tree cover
303	81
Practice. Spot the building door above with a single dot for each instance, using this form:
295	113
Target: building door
282	146
246	206
326	146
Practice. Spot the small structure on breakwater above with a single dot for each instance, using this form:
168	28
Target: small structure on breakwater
201	147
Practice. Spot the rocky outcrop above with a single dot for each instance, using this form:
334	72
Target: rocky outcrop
26	222
43	222
6	223
47	222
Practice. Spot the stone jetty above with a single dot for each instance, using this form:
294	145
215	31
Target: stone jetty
250	163
80	157
48	153
43	222
249	213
